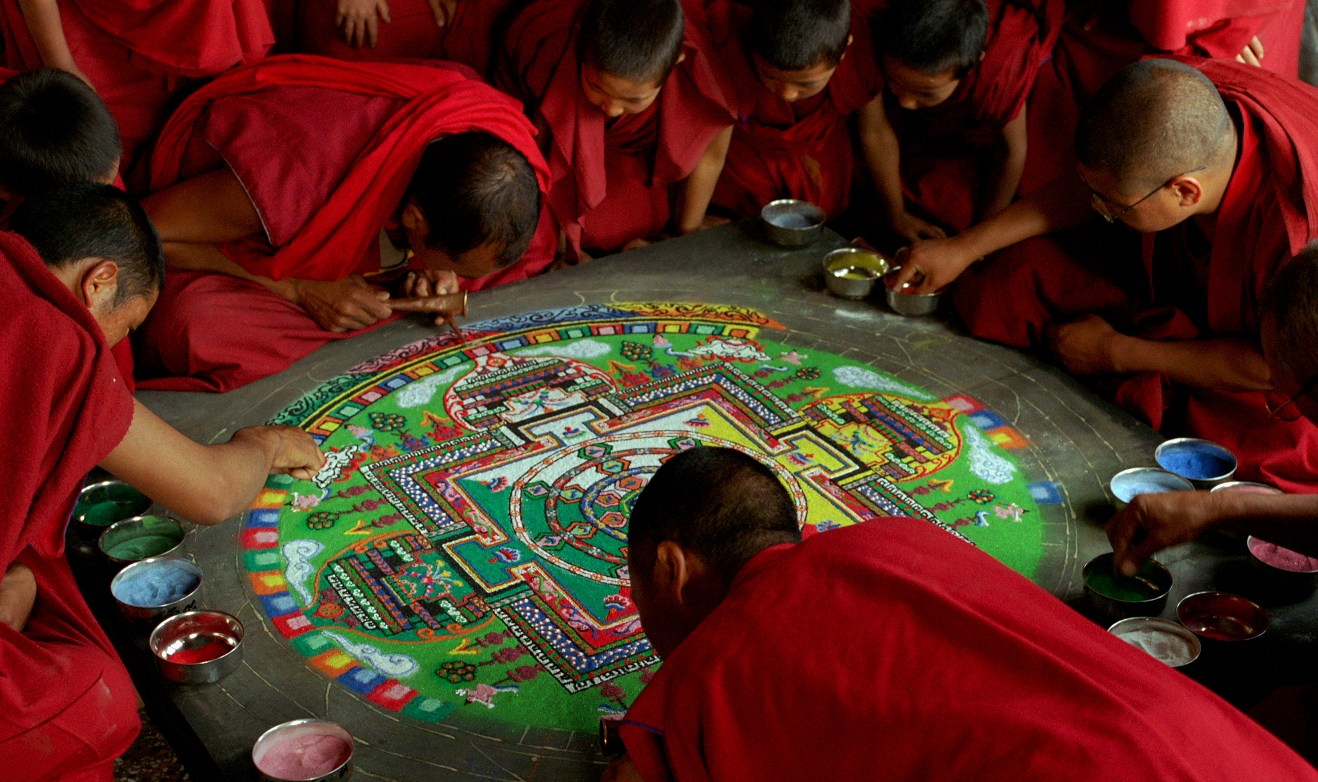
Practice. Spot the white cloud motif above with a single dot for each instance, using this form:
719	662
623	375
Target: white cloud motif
581	349
299	554
859	377
985	464
394	665
420	392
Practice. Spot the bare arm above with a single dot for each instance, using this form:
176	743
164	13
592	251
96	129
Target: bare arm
43	22
699	185
207	484
18	596
1011	167
878	142
1226	363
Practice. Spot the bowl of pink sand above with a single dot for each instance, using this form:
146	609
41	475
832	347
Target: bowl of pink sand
307	750
1285	576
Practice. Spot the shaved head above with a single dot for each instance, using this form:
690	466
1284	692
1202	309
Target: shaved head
1155	120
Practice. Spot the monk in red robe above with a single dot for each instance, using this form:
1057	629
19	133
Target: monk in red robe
957	75
632	114
888	650
1216	164
799	69
67	706
462	31
1264	33
139	55
282	186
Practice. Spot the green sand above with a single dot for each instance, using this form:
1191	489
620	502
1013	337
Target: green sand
1130	590
142	547
103	514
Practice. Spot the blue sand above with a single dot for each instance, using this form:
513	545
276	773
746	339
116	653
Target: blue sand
1197	462
1131	487
157	586
791	220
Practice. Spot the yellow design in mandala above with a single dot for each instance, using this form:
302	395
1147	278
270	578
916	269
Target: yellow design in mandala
895	436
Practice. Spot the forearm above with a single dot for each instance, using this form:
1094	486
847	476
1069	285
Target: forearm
878	142
1011	166
43	22
1224	363
18	596
208	258
699	186
1057	206
1289	520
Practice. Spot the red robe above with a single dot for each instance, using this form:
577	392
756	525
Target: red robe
947	151
139	54
326	150
789	150
67	705
468	38
1222	28
892	651
611	178
1269	213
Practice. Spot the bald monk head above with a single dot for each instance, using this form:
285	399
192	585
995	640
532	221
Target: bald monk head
704	514
100	243
929	46
473	204
1156	145
627	49
796	45
1290	336
54	130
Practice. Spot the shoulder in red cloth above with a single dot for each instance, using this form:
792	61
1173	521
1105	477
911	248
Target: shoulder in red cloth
193	38
433	99
1022	34
962	670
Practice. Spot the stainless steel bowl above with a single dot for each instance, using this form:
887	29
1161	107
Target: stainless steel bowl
1167	453
1149	623
792	223
852	272
1222	617
1128	484
212	638
1279	585
291	731
1247	487
912	304
106	502
147	617
138	538
1152	573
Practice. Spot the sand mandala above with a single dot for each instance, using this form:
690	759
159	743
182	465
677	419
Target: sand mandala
465	545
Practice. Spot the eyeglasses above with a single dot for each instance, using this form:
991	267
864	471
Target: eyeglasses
1101	202
1284	407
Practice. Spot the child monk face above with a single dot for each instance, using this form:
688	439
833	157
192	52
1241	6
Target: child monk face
795	85
614	95
915	90
1288	390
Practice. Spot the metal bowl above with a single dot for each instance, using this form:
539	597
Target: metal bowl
792	223
147	617
912	304
1136	624
1172	454
106	502
852	272
138	538
1152	574
1280	582
197	647
298	729
1128	484
1247	487
1222	616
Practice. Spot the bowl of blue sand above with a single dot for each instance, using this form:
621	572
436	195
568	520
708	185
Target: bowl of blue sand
792	223
1129	484
1202	462
152	590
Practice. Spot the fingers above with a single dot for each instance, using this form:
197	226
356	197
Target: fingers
908	276
448	304
382	8
372	30
934	232
1120	530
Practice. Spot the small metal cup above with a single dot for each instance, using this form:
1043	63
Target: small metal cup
1121	483
107	502
1221	617
912	304
1279	585
138	527
192	630
1120	629
1248	487
1116	609
1161	456
289	730
147	617
852	272
792	223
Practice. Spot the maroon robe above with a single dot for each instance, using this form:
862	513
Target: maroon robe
1222	28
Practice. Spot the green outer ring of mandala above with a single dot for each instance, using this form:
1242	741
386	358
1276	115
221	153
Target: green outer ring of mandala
421	512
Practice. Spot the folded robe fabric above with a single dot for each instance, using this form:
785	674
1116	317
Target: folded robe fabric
611	178
65	701
893	651
1221	29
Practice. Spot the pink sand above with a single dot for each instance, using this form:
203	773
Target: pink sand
1248	489
305	757
1282	558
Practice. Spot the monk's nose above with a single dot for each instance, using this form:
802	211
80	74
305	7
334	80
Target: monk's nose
788	93
614	109
908	102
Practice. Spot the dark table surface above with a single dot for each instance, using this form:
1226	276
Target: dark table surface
1076	441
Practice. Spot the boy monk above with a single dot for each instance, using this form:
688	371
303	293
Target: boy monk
139	55
926	659
957	73
1216	163
281	186
631	116
799	69
67	706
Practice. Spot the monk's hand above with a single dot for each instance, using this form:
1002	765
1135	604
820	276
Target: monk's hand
360	20
1152	522
433	291
929	266
18	595
1252	54
444	11
1085	346
913	229
429	282
346	305
622	770
291	451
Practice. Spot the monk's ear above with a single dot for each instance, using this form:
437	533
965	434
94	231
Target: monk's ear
681	57
672	571
414	220
1188	191
100	284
